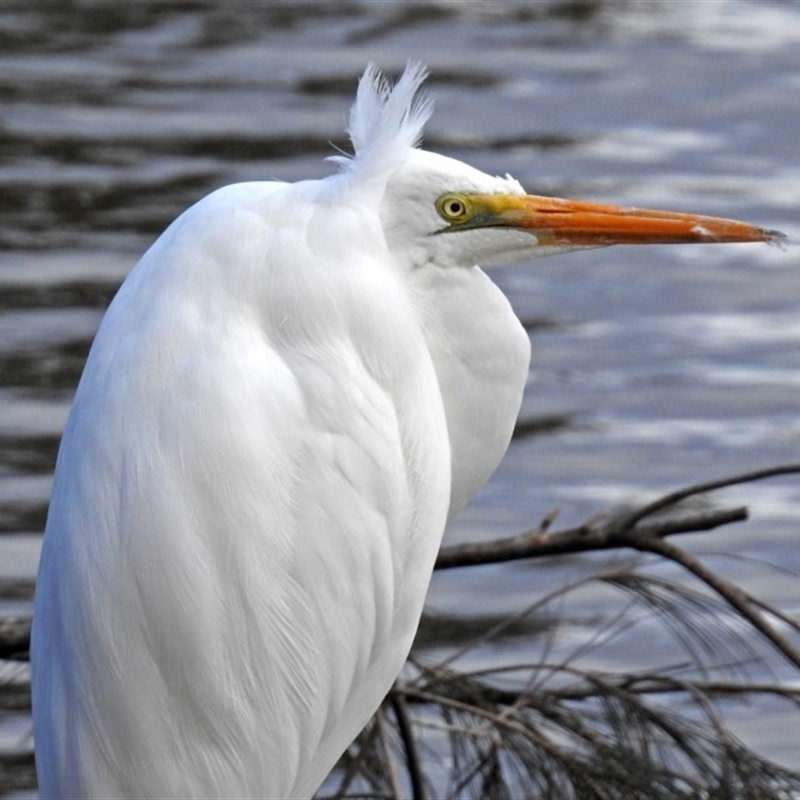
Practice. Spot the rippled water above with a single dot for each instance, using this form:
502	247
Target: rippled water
656	366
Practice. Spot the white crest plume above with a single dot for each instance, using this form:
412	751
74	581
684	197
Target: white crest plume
386	122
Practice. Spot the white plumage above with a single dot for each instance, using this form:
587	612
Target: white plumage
291	392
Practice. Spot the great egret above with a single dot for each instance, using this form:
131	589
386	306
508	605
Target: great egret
292	391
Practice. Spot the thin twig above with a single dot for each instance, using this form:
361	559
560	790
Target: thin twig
731	593
511	725
391	768
413	760
677	496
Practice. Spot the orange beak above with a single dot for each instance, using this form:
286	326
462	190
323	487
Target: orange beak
575	223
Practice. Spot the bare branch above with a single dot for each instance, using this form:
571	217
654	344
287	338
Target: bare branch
582	539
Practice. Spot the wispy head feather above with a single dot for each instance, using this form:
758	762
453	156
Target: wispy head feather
386	122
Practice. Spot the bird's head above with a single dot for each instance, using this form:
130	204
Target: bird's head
439	210
443	211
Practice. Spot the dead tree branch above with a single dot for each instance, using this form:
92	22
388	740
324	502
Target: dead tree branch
582	539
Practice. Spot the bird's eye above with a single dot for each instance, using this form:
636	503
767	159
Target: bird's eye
453	208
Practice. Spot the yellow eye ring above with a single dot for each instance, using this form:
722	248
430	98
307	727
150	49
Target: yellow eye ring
454	208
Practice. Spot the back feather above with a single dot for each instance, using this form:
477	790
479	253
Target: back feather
386	123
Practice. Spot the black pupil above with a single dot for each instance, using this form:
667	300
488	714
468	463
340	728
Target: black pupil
455	208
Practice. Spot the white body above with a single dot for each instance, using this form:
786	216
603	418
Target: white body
289	395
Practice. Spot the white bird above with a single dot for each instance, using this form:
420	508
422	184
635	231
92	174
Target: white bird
293	390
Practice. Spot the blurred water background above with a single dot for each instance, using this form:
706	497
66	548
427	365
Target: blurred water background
652	367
